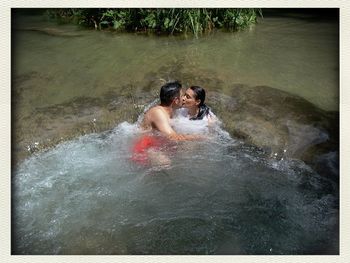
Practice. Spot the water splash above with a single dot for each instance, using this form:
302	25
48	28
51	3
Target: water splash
218	196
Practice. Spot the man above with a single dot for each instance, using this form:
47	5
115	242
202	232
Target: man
158	117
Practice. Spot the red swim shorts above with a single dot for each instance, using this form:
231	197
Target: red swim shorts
146	142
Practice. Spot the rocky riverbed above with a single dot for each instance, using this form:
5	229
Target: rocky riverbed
281	124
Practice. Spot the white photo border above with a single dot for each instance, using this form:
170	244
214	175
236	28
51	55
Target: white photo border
5	127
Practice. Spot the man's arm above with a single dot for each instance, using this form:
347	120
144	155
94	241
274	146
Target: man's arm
161	122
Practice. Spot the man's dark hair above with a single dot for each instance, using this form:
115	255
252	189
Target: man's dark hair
169	92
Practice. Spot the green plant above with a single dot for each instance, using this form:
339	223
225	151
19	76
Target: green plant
161	20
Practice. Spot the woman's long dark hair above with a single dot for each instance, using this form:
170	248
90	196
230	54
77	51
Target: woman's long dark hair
203	109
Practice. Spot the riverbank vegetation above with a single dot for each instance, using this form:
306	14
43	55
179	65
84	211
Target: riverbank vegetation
170	21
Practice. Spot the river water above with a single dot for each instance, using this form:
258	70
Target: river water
217	196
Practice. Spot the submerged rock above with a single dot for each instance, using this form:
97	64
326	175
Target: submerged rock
47	126
282	124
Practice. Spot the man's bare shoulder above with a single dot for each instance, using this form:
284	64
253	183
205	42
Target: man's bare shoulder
155	111
157	108
151	115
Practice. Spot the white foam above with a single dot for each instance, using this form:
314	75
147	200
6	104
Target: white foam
183	125
126	128
91	176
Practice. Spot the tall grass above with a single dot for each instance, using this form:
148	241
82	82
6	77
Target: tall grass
195	21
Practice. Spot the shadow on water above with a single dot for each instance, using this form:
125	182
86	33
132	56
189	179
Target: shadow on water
305	14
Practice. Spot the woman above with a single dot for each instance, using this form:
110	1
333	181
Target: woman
193	101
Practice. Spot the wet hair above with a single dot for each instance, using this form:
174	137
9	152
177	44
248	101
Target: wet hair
203	109
199	93
168	92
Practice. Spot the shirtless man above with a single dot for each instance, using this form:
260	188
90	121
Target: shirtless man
158	117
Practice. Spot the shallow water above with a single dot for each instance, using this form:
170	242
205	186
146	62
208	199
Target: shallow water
285	53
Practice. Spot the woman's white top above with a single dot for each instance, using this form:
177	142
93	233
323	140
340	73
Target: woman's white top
182	124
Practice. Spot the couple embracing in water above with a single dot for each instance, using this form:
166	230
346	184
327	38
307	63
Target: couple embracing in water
157	119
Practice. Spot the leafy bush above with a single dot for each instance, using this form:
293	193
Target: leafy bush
164	20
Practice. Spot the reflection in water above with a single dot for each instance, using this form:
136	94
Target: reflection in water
218	196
